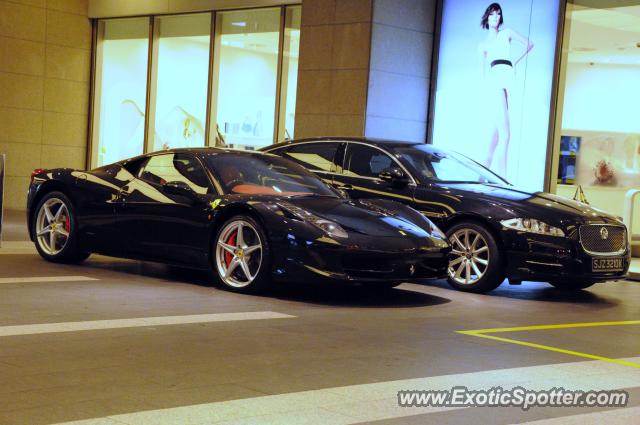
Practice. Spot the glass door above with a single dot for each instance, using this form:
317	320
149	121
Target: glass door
121	88
181	81
597	141
245	77
289	78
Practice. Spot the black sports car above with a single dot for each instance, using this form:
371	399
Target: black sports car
248	216
496	230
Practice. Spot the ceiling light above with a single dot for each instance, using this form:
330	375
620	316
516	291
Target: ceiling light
239	24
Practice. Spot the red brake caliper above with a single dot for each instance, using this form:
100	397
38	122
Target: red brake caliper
231	241
67	224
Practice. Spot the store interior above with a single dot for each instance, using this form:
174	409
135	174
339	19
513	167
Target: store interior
598	142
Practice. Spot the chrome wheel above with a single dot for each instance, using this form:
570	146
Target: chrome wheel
471	253
53	226
238	253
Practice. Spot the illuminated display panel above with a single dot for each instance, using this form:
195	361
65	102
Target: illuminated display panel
494	85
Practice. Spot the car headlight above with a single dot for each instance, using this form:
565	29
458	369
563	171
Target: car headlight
532	225
329	227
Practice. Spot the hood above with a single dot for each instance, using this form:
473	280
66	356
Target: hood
369	217
541	205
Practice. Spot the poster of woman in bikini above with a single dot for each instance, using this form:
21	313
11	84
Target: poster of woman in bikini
494	84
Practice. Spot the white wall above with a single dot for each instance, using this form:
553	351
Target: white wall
602	98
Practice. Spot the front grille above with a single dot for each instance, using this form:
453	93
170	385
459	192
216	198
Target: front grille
362	266
603	239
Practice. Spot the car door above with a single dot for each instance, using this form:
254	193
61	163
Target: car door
96	194
161	224
359	174
322	158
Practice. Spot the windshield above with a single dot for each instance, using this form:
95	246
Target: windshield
447	167
264	175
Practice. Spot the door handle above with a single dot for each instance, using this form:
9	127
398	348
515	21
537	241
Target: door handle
123	193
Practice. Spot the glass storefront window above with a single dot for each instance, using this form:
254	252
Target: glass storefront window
233	83
289	82
597	141
181	81
121	89
245	76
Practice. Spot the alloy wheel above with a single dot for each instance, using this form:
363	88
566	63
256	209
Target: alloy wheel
238	253
53	226
471	257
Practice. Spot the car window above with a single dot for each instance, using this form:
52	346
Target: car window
437	165
315	156
161	169
365	161
264	175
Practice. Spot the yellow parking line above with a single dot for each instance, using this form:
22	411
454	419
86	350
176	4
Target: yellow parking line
562	326
483	333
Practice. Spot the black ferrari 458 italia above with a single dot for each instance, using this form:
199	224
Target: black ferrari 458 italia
496	230
248	217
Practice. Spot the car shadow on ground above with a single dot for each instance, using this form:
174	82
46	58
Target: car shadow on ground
540	291
331	295
359	296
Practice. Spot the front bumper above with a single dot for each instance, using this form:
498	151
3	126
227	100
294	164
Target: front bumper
542	258
320	263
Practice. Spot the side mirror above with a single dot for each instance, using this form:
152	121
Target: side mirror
394	175
179	188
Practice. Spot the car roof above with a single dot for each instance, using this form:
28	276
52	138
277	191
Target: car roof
384	143
209	150
200	150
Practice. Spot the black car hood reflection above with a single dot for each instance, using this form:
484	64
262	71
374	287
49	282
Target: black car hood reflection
370	217
523	202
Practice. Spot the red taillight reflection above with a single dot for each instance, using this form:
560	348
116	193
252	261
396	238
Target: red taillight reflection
36	172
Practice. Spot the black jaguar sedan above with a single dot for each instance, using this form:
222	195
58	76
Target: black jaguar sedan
496	230
247	217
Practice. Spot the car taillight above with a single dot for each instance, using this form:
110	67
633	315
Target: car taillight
36	172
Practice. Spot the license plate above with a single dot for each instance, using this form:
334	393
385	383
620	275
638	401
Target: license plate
607	264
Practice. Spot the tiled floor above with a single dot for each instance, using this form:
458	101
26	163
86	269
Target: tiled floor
122	342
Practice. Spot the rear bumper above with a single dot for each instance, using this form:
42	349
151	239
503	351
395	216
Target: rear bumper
31	195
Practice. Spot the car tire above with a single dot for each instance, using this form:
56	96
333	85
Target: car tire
477	263
55	231
572	284
241	264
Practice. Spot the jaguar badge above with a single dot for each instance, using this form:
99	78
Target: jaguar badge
604	233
